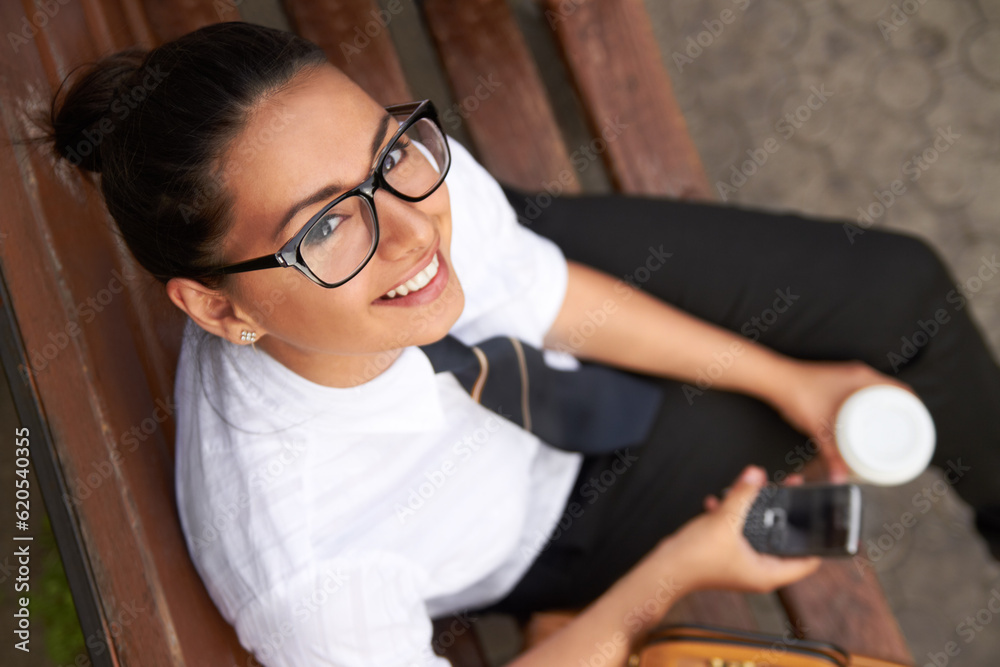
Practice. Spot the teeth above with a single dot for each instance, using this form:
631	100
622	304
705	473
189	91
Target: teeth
418	281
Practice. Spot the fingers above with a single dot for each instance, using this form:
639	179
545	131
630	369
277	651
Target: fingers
837	470
836	466
788	570
882	378
743	492
794	480
711	503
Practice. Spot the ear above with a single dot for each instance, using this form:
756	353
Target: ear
212	310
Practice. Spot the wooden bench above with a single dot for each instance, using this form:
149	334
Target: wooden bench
81	386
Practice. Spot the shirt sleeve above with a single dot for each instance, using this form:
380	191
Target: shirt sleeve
514	280
344	613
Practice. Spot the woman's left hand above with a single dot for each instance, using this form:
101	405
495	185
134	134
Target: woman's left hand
811	393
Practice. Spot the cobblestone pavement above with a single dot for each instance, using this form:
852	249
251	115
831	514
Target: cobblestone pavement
886	109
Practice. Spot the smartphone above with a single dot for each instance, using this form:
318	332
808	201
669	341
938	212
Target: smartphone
806	520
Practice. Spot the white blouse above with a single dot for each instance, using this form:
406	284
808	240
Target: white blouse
330	525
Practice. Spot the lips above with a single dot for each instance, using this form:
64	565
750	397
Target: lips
417	282
429	282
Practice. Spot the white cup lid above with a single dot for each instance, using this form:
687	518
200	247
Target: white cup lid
885	434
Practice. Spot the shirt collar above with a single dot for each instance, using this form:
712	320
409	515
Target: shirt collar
247	386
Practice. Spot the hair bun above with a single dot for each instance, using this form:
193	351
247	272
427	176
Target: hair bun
82	118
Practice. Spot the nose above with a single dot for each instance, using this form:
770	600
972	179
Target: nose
403	228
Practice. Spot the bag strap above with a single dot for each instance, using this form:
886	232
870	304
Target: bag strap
675	632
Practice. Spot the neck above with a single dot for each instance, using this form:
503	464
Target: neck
330	370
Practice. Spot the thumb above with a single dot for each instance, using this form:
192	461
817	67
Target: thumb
743	492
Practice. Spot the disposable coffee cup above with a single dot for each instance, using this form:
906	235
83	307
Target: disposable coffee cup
885	434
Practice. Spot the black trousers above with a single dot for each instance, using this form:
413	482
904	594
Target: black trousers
811	289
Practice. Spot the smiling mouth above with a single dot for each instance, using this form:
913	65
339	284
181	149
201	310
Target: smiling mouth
417	282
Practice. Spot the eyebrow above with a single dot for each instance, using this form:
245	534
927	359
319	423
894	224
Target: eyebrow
332	189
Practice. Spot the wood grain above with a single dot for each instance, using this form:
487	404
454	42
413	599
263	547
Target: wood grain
844	604
615	64
95	378
499	94
172	18
355	36
727	609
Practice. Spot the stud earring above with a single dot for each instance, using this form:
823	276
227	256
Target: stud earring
248	336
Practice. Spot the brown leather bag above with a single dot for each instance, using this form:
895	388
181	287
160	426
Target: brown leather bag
704	646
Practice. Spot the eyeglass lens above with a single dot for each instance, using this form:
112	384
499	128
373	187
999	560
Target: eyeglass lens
341	240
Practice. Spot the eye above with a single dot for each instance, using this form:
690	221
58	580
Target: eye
324	229
395	156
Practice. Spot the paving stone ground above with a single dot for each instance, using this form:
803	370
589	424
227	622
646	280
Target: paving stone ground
896	77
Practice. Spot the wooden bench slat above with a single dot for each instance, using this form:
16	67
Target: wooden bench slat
845	606
615	64
727	609
59	254
133	15
356	40
499	93
172	18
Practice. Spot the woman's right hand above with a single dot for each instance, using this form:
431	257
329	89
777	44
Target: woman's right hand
710	551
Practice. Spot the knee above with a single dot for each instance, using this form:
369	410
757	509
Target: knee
910	265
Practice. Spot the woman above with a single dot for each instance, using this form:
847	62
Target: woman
337	492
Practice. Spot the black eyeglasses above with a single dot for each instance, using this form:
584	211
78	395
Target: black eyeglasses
336	243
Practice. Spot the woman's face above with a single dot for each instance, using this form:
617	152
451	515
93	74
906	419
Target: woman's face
323	130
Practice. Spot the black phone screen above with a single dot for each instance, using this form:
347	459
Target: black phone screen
819	520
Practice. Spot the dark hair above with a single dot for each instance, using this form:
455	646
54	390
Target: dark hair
156	124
